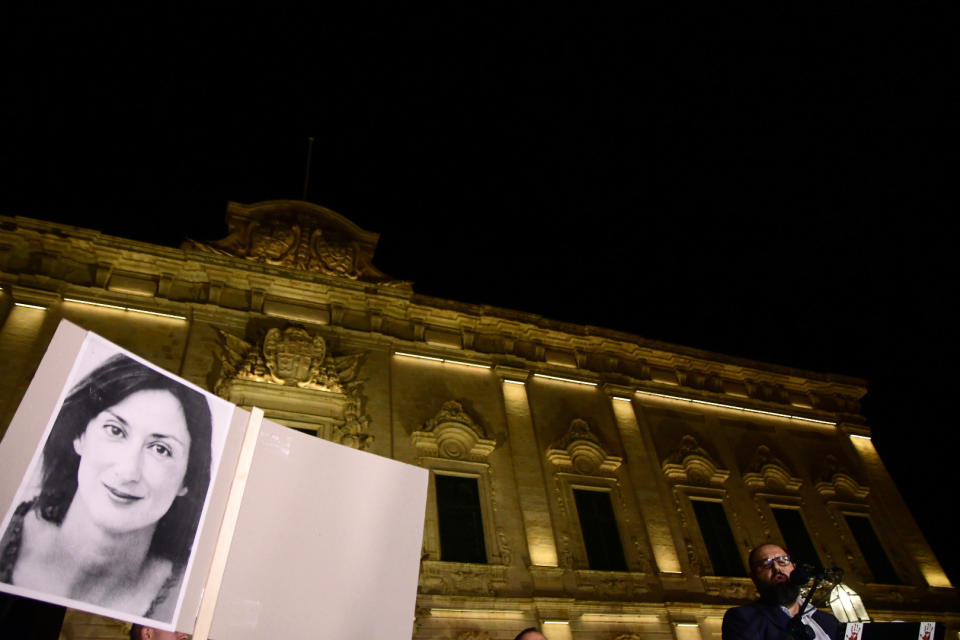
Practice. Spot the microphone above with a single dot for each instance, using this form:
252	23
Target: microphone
804	573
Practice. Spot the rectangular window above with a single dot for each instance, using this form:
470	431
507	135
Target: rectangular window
461	522
796	537
601	536
718	538
877	560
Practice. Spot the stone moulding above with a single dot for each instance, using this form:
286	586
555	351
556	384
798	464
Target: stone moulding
692	464
580	451
459	578
453	434
769	472
835	481
275	244
841	485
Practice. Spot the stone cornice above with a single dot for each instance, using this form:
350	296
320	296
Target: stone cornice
71	261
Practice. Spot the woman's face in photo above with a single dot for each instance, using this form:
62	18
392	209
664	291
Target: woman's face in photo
133	458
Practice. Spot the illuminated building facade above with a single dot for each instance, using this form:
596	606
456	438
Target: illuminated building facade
594	482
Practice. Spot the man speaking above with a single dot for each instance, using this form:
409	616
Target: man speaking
769	617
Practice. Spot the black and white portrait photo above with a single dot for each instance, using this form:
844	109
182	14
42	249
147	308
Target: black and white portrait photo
109	512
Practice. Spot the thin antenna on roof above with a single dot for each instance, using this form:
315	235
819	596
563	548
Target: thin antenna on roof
306	175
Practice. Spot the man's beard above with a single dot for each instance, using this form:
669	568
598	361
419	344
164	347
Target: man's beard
780	593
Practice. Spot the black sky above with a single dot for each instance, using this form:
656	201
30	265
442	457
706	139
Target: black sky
773	183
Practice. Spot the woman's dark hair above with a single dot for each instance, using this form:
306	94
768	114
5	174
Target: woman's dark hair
107	385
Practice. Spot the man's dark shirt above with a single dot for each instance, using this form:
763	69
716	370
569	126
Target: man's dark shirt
762	621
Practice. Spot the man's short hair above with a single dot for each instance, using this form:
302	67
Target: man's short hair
136	632
526	631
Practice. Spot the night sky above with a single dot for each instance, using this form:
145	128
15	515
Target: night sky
771	183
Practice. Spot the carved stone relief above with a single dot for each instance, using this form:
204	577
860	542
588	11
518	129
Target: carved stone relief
771	473
606	585
580	451
293	357
835	481
562	525
454	434
729	588
692	464
298	235
767	391
456	578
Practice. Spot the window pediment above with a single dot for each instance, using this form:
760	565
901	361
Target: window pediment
579	450
767	472
454	434
692	464
836	482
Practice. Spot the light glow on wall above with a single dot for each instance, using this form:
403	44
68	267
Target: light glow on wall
117	307
687	631
417	356
447	612
932	572
535	510
644	618
29	306
559	379
557	630
788	416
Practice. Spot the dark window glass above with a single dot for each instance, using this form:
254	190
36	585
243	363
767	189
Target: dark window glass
717	536
877	560
796	537
600	534
461	523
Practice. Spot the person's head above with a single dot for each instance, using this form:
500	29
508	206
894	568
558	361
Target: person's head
530	633
138	632
134	447
770	569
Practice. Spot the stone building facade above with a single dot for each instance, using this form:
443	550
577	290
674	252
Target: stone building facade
535	430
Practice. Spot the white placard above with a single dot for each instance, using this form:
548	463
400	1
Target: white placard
327	544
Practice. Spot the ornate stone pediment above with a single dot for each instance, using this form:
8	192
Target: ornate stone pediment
692	464
836	482
579	450
769	472
299	235
290	373
452	433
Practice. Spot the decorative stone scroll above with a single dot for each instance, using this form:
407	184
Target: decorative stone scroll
770	473
298	235
692	464
290	370
453	434
580	451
